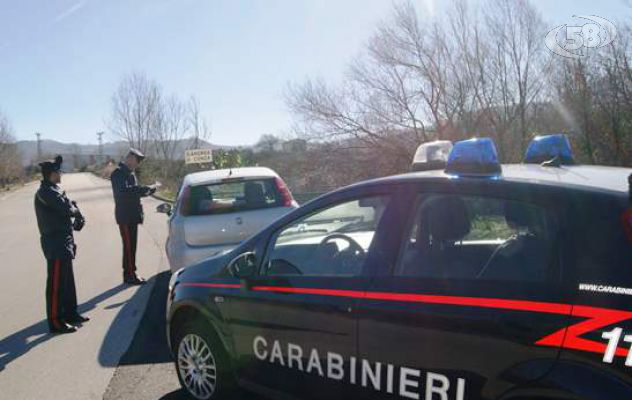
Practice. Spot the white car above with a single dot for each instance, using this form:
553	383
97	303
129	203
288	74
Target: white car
216	210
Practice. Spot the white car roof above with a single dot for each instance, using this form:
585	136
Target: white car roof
213	176
592	176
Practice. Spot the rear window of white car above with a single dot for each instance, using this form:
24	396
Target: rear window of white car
233	196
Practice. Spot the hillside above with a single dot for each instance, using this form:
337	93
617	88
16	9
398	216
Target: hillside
115	150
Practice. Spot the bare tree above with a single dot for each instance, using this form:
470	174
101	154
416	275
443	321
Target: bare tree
521	62
10	159
170	127
448	78
268	142
595	101
614	99
135	109
199	127
410	87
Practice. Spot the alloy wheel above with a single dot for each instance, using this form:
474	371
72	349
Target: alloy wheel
197	366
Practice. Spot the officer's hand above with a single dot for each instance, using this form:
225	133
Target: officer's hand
151	191
78	223
75	209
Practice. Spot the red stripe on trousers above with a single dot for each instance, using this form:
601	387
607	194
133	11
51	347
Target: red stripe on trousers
55	300
128	249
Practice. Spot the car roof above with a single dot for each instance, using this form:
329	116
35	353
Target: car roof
595	177
217	175
590	176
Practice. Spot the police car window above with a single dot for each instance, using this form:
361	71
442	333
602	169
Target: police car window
600	241
488	221
478	238
331	242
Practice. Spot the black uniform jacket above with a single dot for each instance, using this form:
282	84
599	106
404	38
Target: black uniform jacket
54	213
127	194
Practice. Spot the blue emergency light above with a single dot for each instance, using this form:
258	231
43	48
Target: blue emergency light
476	156
548	147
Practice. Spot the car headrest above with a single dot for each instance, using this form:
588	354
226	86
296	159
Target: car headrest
199	193
253	191
201	199
448	219
519	215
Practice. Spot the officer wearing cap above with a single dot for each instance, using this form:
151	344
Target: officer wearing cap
129	211
57	217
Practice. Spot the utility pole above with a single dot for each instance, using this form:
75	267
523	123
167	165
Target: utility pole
39	146
100	135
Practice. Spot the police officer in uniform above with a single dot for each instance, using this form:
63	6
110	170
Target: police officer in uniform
57	217
129	211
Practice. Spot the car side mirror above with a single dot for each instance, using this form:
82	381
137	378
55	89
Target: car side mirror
244	265
164	208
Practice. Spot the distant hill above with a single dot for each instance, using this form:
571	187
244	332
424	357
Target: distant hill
115	150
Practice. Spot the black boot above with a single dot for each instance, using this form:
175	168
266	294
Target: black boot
78	319
134	280
63	328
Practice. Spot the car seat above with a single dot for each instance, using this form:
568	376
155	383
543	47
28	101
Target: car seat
525	255
254	195
202	200
442	222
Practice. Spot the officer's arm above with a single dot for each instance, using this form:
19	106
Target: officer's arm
56	202
122	187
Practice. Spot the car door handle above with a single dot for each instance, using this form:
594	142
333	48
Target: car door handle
344	309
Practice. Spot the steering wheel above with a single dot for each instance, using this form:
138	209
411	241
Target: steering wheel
351	253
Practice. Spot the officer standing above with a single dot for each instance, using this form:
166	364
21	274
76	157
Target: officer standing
129	211
55	214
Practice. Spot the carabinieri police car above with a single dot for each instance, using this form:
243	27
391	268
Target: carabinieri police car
479	281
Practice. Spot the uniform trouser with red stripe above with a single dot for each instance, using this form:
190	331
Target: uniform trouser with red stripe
129	234
61	295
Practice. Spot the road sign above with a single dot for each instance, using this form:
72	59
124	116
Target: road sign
198	156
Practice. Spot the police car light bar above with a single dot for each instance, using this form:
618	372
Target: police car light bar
476	156
548	147
431	155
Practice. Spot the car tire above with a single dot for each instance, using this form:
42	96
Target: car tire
202	363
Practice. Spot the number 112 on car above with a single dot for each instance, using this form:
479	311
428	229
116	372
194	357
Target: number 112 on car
614	338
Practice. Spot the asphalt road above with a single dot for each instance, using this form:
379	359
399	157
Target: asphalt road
121	353
146	371
86	364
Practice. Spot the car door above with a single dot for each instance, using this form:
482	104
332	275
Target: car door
294	323
474	305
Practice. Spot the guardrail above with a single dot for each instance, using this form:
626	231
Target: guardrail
302	198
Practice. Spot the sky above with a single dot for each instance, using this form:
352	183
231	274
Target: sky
61	60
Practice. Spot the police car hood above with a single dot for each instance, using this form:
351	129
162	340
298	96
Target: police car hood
205	268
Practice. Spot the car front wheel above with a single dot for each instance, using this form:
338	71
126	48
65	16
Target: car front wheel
201	364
